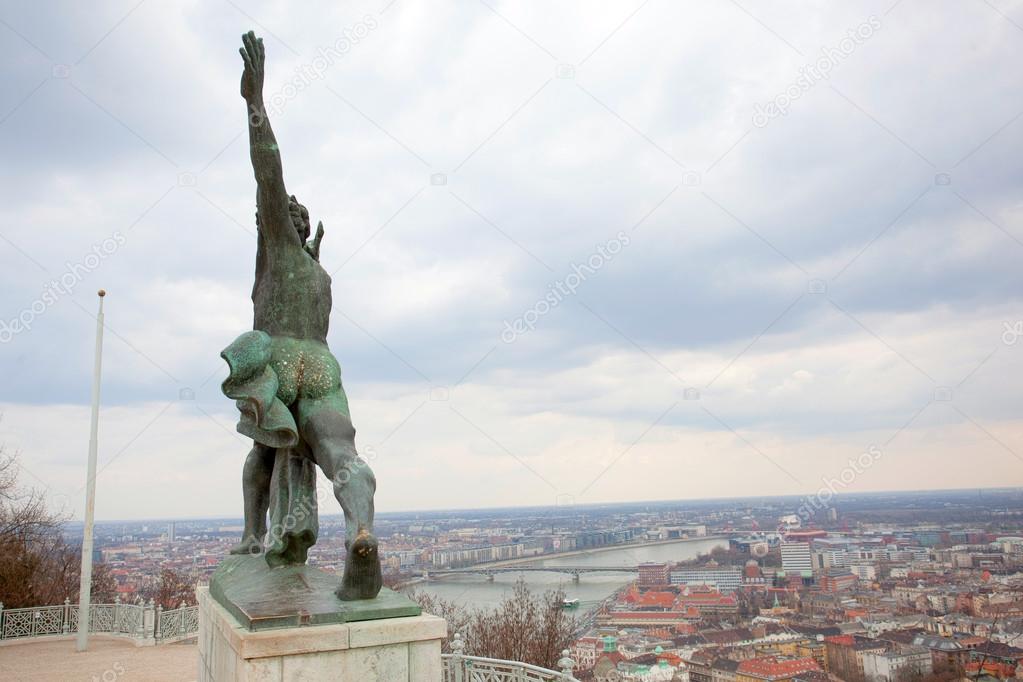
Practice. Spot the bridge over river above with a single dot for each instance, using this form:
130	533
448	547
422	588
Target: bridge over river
490	572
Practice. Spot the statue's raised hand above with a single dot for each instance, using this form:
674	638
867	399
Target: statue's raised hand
252	77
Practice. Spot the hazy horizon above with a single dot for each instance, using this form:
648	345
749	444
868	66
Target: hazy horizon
328	513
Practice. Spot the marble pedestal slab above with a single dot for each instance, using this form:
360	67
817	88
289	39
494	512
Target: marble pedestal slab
404	649
262	598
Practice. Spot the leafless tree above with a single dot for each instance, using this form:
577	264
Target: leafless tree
173	590
525	626
456	615
38	566
104	586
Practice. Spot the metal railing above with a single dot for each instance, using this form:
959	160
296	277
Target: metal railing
144	621
150	623
461	668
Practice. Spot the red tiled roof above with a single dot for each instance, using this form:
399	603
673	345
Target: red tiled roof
672	659
664	600
772	668
843	640
654	615
713	598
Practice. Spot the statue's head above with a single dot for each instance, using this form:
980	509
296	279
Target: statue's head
299	218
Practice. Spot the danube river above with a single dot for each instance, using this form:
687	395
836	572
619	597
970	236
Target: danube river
475	590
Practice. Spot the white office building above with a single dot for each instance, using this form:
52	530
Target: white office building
796	558
910	662
722	578
863	570
829	557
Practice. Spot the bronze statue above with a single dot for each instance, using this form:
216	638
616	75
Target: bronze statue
286	382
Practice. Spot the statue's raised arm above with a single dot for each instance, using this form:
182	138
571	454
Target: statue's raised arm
272	197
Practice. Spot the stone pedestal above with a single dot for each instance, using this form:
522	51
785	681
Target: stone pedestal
405	649
265	598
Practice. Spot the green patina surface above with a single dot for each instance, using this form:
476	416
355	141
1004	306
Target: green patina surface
264	598
287	386
268	375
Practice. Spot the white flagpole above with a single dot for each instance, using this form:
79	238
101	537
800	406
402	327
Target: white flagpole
85	586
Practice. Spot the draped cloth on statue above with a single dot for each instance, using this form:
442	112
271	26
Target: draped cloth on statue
253	384
294	522
256	388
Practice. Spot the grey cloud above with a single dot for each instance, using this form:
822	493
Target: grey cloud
426	289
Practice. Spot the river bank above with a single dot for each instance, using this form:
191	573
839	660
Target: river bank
473	590
625	546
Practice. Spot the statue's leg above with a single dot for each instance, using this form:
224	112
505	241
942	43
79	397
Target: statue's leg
256	473
325	426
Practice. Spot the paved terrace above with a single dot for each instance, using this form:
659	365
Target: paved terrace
108	660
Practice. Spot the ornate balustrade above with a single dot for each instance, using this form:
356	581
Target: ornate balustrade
461	668
151	623
146	622
177	624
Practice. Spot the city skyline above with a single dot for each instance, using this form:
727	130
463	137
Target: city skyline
627	253
782	500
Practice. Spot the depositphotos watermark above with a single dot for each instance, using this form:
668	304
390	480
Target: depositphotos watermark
111	674
73	274
561	289
814	72
326	56
822	498
1013	332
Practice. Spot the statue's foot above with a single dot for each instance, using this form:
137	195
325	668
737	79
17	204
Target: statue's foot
362	578
249	545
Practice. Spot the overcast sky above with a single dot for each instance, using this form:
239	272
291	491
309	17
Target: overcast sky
646	250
